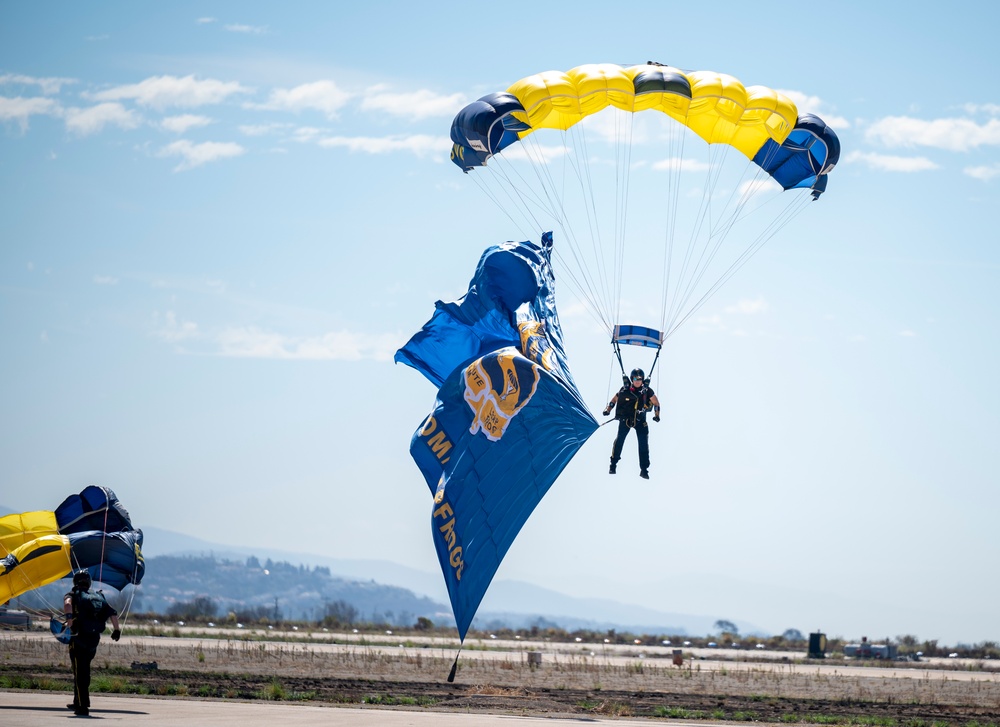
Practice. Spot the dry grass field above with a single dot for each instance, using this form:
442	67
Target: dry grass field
413	676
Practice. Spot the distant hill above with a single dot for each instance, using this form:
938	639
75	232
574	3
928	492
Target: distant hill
514	603
181	567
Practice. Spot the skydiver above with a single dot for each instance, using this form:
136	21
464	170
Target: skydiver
631	403
87	615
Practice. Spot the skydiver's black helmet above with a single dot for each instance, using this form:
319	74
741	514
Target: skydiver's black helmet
81	579
637	373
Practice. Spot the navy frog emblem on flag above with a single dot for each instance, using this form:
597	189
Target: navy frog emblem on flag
497	387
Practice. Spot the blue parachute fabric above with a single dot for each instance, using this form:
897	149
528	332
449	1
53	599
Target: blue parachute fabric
60	630
508	297
805	158
483	128
508	416
112	558
638	336
96	508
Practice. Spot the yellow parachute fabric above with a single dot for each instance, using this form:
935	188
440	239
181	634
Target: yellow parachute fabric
720	110
34	564
21	528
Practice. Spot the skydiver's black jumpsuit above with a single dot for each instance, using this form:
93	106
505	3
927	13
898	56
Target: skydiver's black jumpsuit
90	615
630	411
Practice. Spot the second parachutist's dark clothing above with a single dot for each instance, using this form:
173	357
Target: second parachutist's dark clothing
630	411
90	612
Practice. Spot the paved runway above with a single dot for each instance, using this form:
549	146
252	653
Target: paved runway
34	709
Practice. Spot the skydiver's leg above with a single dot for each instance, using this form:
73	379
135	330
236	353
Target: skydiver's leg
80	656
616	448
73	654
642	432
85	655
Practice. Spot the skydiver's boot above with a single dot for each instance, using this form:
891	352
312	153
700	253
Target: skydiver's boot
614	469
644	474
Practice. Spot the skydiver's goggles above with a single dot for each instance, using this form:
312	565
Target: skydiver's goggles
637	378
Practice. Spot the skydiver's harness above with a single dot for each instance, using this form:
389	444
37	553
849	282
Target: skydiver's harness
639	401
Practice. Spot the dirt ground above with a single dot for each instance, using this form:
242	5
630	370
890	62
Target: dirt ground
563	685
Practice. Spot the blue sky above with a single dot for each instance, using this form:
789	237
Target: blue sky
220	220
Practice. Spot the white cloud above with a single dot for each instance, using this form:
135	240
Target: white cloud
194	155
887	163
679	164
48	86
419	144
808	104
249	29
205	21
984	173
948	134
105	280
749	307
172	330
906	333
990	109
21	109
323	96
180	124
162	91
96	38
420	104
93	119
756	187
251	342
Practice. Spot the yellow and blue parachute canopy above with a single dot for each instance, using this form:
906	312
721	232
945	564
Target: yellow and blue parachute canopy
754	120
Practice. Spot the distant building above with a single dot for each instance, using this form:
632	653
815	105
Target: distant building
868	650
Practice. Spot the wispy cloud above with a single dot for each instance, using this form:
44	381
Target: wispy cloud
105	280
248	29
168	328
809	104
194	155
263	129
887	163
678	164
420	104
20	109
160	92
984	173
48	85
756	187
991	109
180	124
748	307
93	119
948	134
421	145
907	333
252	342
206	21
323	96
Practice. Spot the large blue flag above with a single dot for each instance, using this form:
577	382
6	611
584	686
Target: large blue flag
508	416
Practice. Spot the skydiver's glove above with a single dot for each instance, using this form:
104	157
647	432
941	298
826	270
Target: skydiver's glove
607	411
116	634
656	417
